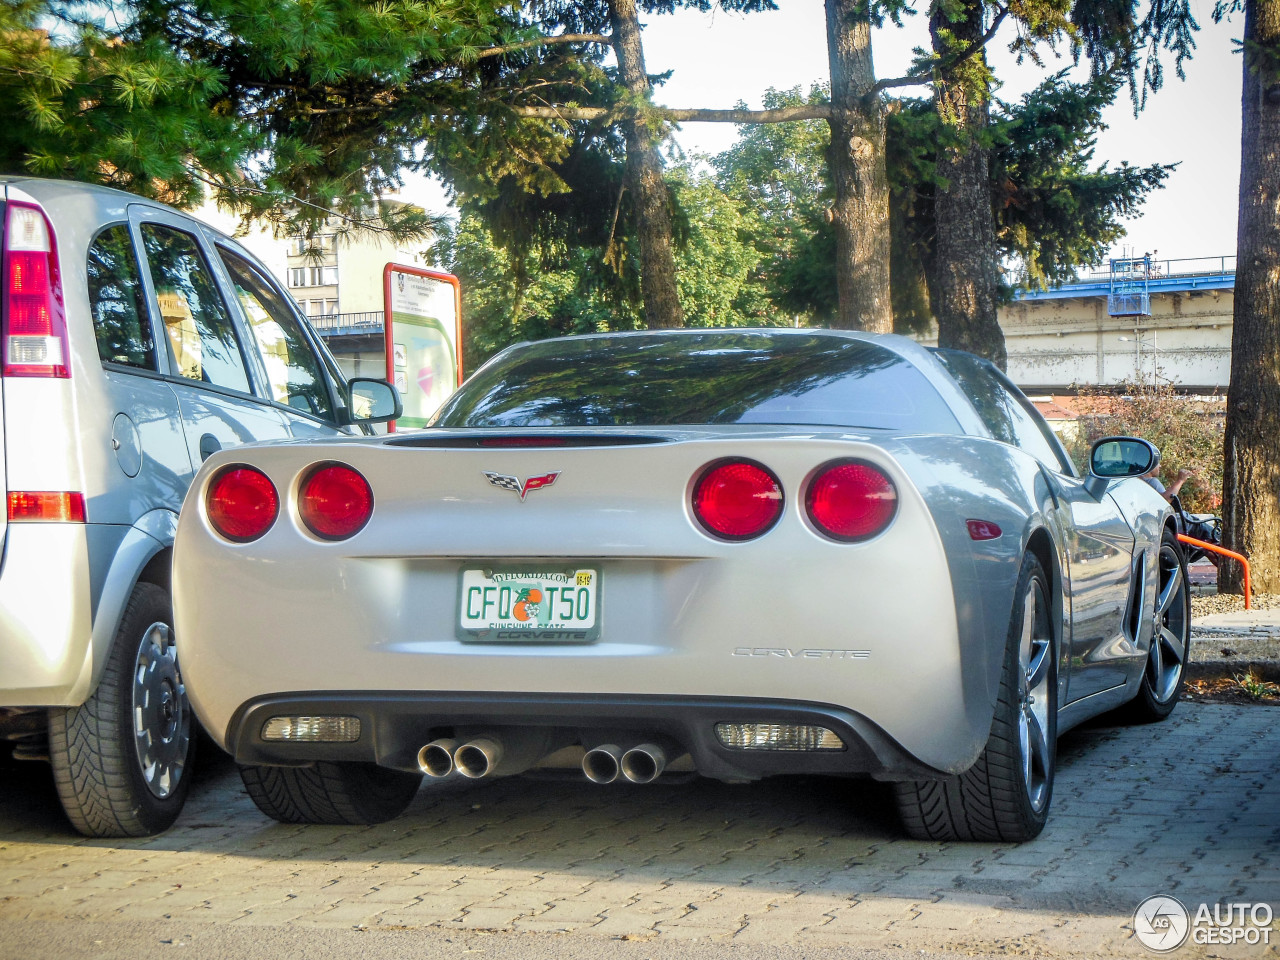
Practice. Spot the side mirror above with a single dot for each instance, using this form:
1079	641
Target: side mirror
373	401
1117	458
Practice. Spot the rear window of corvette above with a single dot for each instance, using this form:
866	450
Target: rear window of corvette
713	378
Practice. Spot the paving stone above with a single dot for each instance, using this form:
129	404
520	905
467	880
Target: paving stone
1187	807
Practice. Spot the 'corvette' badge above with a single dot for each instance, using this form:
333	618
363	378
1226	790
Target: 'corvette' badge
515	485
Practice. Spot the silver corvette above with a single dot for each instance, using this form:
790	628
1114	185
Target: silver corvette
740	553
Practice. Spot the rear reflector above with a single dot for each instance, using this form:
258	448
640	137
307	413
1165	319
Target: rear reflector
737	499
851	500
777	736
28	505
312	729
242	504
335	502
35	323
983	530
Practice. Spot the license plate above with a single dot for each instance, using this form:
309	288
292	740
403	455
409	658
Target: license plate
529	605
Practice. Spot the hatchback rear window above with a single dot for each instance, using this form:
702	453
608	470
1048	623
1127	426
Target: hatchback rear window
714	378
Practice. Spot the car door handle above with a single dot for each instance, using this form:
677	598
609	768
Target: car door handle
209	445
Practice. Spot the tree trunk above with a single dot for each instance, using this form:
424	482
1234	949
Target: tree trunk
644	179
1251	472
965	262
856	159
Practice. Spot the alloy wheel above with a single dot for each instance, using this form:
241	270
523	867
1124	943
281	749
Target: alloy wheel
1035	661
1169	638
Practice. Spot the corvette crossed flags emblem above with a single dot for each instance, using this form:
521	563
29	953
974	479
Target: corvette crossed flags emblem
523	488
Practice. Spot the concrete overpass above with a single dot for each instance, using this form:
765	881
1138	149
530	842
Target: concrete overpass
1065	336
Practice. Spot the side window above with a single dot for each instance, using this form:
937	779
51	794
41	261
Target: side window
115	301
1002	409
294	371
201	336
1031	434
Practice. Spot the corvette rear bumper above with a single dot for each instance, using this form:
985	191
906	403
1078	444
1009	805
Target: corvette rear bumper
395	725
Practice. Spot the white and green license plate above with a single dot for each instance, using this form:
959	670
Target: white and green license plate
529	605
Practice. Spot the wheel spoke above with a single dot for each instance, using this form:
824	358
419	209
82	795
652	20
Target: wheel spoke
1039	744
1038	670
1172	646
1170	591
1025	641
1024	743
1156	663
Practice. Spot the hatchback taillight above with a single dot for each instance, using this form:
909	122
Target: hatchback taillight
335	502
242	503
35	324
851	500
46	505
737	499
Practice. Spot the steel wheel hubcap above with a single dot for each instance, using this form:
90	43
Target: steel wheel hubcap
1169	636
161	719
1035	660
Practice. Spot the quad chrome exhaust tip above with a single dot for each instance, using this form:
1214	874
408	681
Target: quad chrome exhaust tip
436	758
643	763
478	758
608	762
603	764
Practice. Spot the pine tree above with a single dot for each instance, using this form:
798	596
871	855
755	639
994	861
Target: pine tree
1115	41
1251	469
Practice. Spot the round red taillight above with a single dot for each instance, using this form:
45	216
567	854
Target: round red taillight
335	502
737	499
242	503
851	500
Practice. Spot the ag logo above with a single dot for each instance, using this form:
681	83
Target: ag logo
523	488
1161	923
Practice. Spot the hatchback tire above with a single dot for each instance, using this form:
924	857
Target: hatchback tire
122	759
1005	795
326	792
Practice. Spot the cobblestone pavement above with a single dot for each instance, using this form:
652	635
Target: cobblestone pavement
1189	807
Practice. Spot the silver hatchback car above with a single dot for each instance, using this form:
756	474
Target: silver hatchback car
135	343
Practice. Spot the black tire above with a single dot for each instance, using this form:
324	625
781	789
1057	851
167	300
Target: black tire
1005	795
344	793
115	780
1164	674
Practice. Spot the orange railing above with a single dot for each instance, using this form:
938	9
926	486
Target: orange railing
1214	548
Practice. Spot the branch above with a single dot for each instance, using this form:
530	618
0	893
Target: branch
944	64
242	188
545	41
817	111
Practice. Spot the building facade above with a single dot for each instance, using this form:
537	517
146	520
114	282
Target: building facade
336	278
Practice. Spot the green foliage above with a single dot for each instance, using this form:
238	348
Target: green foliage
1188	431
506	302
1119	38
1055	209
556	287
778	172
717	257
83	104
289	110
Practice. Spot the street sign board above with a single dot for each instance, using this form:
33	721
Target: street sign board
424	339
